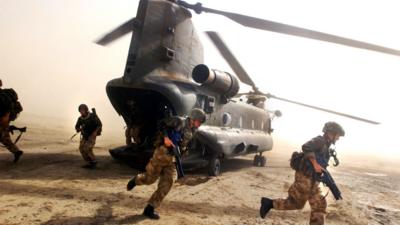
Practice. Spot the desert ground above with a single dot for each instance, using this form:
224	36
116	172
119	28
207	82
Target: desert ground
48	186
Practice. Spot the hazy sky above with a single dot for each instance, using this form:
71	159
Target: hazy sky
47	54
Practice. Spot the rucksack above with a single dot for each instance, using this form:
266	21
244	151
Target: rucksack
296	161
9	98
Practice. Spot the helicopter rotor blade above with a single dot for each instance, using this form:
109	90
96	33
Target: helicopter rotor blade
323	109
282	28
230	58
118	32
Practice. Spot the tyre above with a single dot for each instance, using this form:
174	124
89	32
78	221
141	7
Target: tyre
263	161
259	161
256	160
214	167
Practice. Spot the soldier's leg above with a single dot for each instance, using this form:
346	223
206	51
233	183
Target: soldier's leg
298	194
5	139
86	149
82	150
318	206
89	149
164	185
153	169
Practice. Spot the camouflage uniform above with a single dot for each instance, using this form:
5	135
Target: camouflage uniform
5	139
9	102
88	125
305	188
10	107
162	165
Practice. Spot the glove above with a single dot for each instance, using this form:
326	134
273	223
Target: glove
168	142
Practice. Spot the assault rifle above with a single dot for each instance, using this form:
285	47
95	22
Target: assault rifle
21	130
327	179
178	162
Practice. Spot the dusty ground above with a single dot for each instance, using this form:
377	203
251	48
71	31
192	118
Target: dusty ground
48	187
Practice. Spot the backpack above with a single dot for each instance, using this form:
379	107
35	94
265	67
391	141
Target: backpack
98	121
296	161
9	99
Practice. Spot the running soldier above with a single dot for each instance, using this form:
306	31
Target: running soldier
90	127
305	188
176	132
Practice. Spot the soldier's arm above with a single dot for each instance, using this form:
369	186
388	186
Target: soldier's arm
78	125
173	122
187	137
310	147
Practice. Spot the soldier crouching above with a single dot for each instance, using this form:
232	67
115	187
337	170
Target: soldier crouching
176	132
10	107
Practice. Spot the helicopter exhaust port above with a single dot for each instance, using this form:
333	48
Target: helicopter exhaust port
216	81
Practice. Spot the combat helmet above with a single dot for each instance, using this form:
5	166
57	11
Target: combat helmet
84	107
197	114
333	127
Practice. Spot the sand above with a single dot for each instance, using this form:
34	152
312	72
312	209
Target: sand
48	186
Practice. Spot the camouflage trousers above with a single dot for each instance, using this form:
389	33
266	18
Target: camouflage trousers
86	149
302	190
161	166
5	139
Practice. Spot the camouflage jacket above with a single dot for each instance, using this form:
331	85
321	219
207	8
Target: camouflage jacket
178	130
9	103
318	148
88	125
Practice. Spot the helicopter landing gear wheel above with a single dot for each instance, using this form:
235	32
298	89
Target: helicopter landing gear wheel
214	167
259	160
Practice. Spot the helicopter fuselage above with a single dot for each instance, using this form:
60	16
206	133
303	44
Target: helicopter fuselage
158	82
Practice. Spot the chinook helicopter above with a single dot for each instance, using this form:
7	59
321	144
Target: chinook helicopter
165	75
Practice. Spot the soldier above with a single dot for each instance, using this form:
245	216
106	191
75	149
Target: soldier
133	125
176	131
10	107
305	188
90	127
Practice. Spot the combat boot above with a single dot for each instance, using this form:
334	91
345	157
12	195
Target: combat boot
266	205
90	165
131	184
17	155
149	212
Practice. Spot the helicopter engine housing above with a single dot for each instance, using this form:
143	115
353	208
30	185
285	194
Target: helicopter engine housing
216	81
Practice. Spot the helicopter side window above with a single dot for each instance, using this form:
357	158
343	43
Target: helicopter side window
207	103
226	119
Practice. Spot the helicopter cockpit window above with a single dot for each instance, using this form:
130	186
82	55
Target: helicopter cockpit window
226	119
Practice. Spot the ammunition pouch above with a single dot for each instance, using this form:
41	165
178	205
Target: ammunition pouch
296	161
